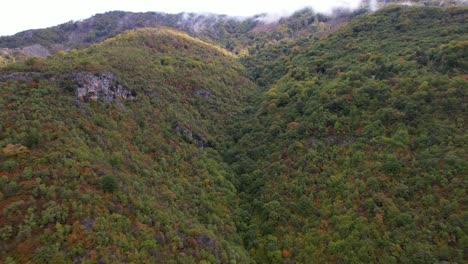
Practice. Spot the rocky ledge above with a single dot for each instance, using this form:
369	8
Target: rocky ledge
86	85
102	86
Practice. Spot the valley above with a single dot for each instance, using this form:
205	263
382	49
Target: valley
152	138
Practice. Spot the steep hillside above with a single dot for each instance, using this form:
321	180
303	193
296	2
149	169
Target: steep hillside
153	146
357	154
107	154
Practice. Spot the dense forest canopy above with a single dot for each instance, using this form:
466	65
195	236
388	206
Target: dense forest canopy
318	139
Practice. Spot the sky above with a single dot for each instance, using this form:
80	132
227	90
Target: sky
20	15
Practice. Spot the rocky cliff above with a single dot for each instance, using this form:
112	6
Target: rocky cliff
87	86
99	86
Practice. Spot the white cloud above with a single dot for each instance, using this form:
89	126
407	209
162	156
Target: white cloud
19	15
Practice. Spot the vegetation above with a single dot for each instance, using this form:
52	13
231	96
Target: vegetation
350	147
357	154
5	58
237	36
130	181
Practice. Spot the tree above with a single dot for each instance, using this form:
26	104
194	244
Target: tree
109	184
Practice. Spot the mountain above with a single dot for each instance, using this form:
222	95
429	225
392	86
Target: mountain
314	139
234	34
356	154
108	152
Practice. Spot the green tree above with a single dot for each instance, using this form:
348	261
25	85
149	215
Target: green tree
109	183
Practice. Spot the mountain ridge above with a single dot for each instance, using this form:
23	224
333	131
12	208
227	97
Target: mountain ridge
219	29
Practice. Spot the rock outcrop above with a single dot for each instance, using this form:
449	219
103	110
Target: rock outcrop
87	86
104	86
193	138
202	93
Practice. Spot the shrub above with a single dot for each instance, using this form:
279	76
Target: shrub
10	165
3	181
28	173
116	160
392	166
6	233
108	183
11	188
12	208
53	213
31	139
24	232
9	260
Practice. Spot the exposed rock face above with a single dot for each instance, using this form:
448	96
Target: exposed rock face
86	85
193	138
99	86
35	50
203	93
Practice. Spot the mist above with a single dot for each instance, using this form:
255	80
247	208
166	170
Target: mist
373	5
27	14
326	8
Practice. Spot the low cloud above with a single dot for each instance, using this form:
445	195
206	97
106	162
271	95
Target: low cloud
323	7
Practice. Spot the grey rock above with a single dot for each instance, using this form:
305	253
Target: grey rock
88	223
206	241
203	93
193	138
36	50
89	86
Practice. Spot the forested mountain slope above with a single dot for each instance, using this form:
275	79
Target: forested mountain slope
153	146
358	153
107	153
